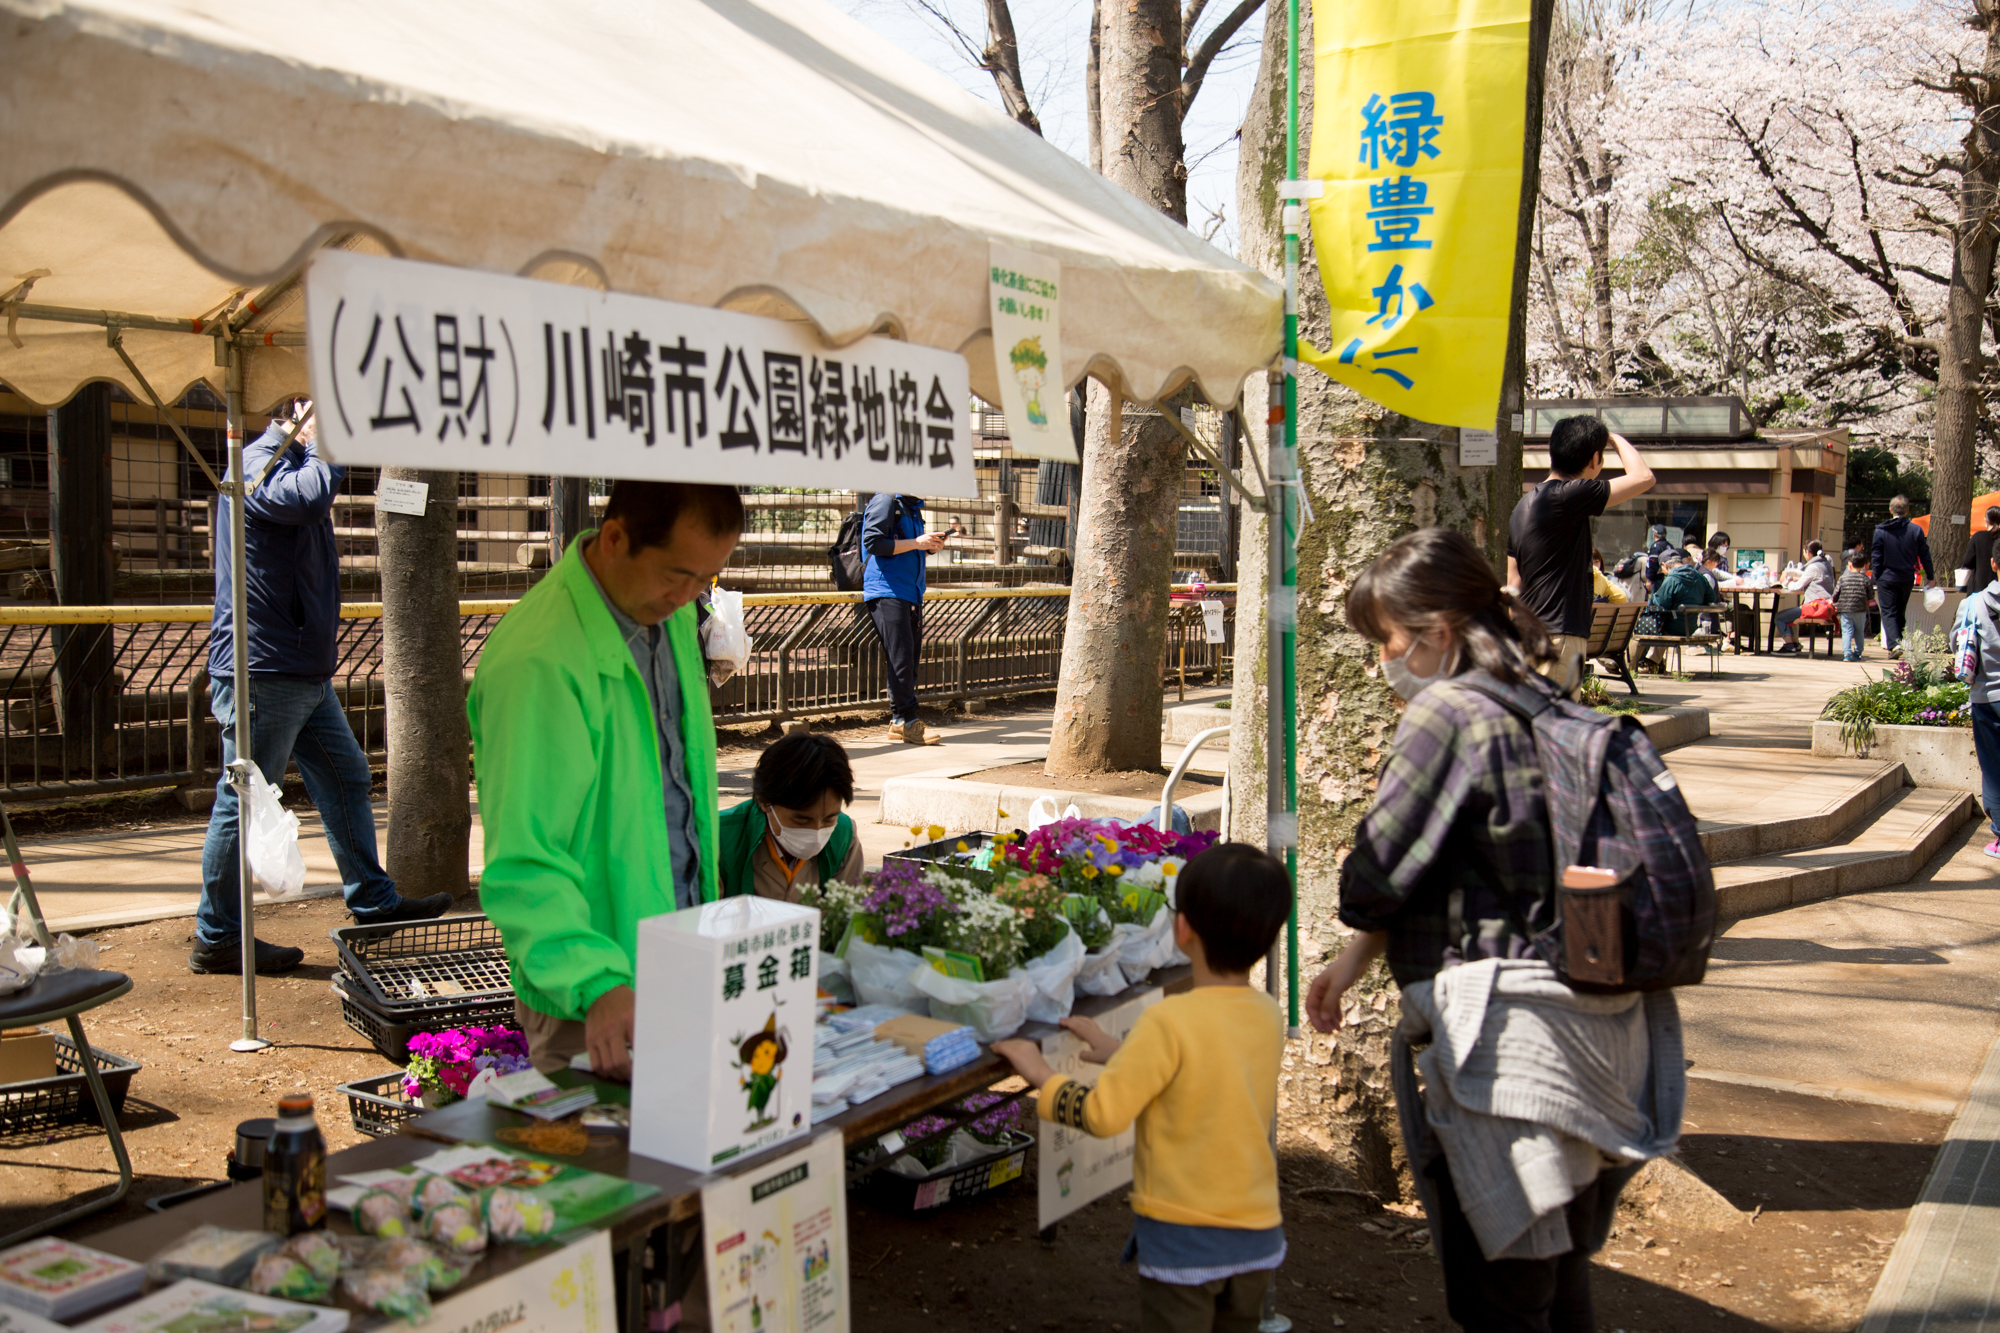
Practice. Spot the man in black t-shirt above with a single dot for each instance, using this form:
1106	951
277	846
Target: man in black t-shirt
1548	537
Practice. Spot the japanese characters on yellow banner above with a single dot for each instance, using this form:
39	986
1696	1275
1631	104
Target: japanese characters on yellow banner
1418	118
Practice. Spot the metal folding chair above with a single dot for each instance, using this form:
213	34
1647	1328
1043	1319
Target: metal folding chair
66	995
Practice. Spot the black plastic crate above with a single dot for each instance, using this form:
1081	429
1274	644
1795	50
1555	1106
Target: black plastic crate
390	1034
412	967
946	853
379	1106
65	1099
982	1175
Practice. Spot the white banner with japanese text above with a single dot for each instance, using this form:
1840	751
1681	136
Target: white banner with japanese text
1073	1168
1024	298
423	366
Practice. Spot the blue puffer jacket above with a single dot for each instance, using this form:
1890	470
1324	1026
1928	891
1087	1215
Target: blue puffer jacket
890	575
291	579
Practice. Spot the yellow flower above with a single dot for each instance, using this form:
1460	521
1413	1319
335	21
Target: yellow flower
1114	870
1005	815
936	832
961	845
916	830
1169	869
1090	872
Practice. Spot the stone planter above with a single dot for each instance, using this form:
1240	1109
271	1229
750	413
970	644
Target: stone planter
1932	756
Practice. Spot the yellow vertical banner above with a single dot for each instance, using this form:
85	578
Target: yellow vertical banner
1418	117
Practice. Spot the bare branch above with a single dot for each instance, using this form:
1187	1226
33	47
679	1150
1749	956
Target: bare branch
1211	46
1002	59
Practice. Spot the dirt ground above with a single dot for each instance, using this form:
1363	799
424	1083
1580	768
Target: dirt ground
1828	1182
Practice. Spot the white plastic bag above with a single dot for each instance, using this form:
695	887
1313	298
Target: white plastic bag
1043	811
1933	598
1099	973
992	1009
1054	975
881	975
725	643
1143	948
835	979
20	963
276	864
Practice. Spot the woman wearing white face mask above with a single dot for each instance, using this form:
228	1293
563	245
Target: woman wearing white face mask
791	834
1453	866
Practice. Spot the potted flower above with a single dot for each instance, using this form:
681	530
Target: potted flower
903	912
443	1064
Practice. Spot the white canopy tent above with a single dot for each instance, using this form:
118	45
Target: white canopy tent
170	166
774	158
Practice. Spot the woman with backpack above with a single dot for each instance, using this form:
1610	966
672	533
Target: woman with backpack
1530	1087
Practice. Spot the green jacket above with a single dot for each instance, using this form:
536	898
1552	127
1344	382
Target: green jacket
1684	585
566	750
742	828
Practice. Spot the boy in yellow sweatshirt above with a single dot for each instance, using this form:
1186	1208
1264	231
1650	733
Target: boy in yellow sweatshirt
1199	1073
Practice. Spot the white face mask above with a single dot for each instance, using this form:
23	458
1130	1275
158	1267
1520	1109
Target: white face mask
801	842
1406	683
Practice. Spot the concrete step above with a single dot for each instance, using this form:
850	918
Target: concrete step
1760	808
1889	847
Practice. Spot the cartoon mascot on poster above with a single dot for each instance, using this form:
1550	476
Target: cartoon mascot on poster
760	1058
1031	367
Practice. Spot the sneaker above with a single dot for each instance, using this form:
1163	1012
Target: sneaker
227	959
1789	648
914	733
1992	849
407	909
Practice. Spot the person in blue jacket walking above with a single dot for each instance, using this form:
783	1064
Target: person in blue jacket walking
892	584
1897	552
291	585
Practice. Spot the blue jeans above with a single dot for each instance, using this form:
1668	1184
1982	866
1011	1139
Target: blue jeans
292	720
1986	744
1853	637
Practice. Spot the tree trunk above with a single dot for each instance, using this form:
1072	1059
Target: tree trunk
1108	704
1961	363
430	813
81	570
1372	476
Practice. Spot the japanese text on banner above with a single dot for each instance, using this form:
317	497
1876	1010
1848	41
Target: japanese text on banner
417	365
1024	292
1418	118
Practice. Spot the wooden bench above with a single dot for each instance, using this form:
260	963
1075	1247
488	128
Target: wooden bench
1611	627
1810	632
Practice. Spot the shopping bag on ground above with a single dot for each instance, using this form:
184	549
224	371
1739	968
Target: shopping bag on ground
725	643
1043	811
272	840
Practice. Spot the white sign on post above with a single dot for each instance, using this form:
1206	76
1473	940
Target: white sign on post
569	1291
1211	620
774	1244
1478	448
394	496
1023	296
722	1037
418	365
1074	1168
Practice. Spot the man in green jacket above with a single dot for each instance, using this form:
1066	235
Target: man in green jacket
595	755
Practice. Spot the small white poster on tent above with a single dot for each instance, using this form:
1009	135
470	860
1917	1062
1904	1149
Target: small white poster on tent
1023	296
569	1291
423	366
1074	1168
774	1241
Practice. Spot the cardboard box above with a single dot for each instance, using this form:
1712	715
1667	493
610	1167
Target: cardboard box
27	1055
722	1041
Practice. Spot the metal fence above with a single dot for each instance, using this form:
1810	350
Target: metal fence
109	699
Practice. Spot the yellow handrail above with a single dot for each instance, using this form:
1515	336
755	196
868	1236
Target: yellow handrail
154	615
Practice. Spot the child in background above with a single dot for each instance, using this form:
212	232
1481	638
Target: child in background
1850	599
1199	1073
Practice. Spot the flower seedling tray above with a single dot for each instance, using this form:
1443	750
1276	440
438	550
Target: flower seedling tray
946	853
391	1033
379	1106
955	1184
65	1099
412	967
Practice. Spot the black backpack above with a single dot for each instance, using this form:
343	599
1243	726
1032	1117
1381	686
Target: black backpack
847	562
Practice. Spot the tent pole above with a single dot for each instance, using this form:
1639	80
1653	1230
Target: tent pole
239	660
1284	538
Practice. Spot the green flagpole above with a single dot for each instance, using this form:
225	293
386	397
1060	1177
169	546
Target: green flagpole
1285	513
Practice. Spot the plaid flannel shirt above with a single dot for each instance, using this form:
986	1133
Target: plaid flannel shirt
1459	811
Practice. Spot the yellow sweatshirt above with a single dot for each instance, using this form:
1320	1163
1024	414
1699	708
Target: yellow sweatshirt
1199	1073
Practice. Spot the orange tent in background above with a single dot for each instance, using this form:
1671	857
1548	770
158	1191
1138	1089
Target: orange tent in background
1980	504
